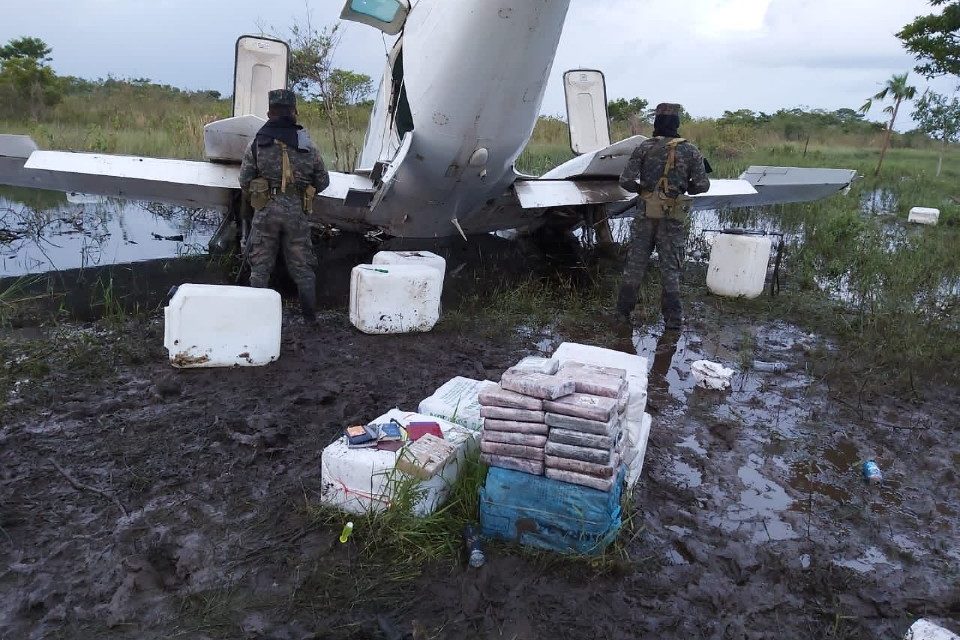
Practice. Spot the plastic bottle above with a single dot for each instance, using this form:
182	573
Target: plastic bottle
770	367
347	531
475	552
871	472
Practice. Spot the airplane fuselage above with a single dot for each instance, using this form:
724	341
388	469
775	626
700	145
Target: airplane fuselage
473	74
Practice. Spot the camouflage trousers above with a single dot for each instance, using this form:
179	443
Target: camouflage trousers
669	237
281	226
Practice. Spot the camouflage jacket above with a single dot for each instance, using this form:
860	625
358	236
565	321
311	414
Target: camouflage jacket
647	163
267	162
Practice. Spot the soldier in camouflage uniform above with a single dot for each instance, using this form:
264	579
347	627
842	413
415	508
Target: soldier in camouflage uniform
282	172
664	170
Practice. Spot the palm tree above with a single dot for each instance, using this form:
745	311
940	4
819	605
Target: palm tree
898	89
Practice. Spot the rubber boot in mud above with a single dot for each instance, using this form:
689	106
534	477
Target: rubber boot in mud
308	305
672	312
626	300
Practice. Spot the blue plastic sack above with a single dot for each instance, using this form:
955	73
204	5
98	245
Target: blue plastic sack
540	512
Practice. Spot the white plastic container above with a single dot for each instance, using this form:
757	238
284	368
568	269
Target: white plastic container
924	215
424	258
219	326
925	630
365	480
395	298
457	401
738	265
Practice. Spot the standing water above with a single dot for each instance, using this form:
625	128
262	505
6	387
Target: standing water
42	231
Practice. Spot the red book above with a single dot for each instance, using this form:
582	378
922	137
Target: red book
416	430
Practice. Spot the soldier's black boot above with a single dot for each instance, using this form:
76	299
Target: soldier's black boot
308	305
627	300
672	312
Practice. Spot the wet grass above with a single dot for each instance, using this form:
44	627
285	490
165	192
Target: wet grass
397	533
14	297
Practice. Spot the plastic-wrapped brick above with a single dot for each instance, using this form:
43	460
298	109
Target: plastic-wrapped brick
527	440
581	439
514	426
493	395
537	385
511	450
586	454
601	484
518	415
581	405
585	468
523	465
573	423
595	381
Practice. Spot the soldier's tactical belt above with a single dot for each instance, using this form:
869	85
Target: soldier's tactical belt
262	191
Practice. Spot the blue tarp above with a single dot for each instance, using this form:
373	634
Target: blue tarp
549	514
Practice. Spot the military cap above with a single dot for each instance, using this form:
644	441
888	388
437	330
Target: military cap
668	109
283	98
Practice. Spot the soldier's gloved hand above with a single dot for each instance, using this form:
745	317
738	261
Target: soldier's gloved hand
627	300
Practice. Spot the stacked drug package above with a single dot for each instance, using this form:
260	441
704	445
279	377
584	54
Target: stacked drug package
585	427
514	421
558	469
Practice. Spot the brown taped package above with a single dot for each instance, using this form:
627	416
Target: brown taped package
581	439
533	467
585	468
586	454
518	415
537	385
573	423
581	405
527	440
593	381
512	426
602	484
511	450
492	395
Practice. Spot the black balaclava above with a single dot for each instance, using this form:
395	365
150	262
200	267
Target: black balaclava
281	126
666	125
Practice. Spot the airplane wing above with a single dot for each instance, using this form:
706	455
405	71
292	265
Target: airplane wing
593	178
181	182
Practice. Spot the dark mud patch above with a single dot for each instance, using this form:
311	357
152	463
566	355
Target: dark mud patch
750	519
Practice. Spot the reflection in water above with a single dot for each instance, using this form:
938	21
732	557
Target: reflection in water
879	202
44	231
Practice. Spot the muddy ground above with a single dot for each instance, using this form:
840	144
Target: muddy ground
750	520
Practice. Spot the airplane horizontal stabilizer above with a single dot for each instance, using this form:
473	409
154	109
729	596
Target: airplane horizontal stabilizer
608	162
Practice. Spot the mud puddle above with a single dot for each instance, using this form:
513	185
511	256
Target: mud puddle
750	520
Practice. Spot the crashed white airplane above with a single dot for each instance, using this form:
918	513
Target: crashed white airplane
458	102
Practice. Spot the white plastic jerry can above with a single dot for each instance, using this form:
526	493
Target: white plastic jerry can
400	298
222	326
738	265
425	258
924	215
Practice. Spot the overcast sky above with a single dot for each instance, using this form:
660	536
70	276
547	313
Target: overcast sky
711	55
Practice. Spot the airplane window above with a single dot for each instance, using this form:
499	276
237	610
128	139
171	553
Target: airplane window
383	10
